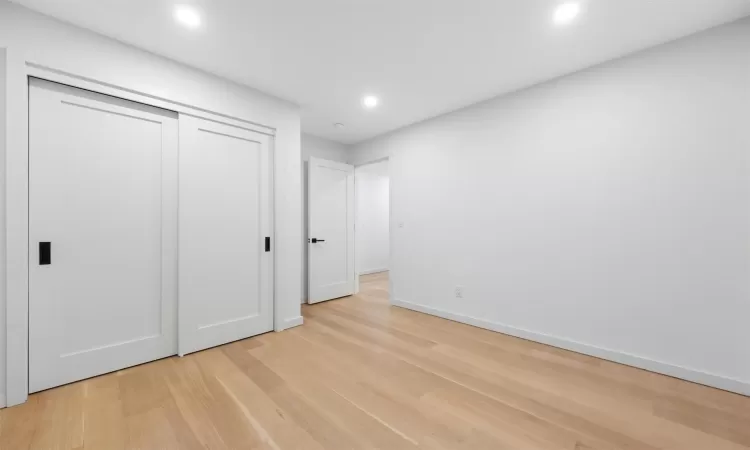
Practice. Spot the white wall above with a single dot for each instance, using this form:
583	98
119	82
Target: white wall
50	43
373	241
2	227
606	212
324	149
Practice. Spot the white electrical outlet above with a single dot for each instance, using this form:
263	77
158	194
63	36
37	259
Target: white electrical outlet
459	292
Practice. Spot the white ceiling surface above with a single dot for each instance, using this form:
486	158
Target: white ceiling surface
421	57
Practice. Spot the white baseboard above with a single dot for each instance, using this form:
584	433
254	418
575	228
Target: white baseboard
695	376
2	400
372	271
291	323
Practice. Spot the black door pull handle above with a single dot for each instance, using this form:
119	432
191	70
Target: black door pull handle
315	240
45	253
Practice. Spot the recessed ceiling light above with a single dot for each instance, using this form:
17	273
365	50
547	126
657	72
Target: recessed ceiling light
187	16
566	12
370	101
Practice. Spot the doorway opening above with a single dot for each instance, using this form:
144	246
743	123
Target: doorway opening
349	236
373	234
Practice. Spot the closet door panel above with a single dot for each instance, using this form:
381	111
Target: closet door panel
102	234
225	218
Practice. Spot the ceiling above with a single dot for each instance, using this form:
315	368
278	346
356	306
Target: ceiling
422	58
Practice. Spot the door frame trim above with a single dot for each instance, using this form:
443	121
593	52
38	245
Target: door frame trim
18	71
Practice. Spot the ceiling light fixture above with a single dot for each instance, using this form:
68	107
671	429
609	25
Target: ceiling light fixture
187	16
370	101
338	125
566	12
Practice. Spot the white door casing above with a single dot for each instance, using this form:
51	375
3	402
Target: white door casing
225	215
103	192
331	230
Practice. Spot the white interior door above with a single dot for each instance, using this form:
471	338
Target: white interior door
102	234
226	272
331	228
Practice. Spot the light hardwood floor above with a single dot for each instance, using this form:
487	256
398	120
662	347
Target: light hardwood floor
362	374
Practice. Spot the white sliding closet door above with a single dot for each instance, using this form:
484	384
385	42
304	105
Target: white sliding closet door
102	234
225	217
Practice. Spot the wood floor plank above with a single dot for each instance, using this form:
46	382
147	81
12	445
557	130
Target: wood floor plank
18	425
104	421
360	374
386	397
60	419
